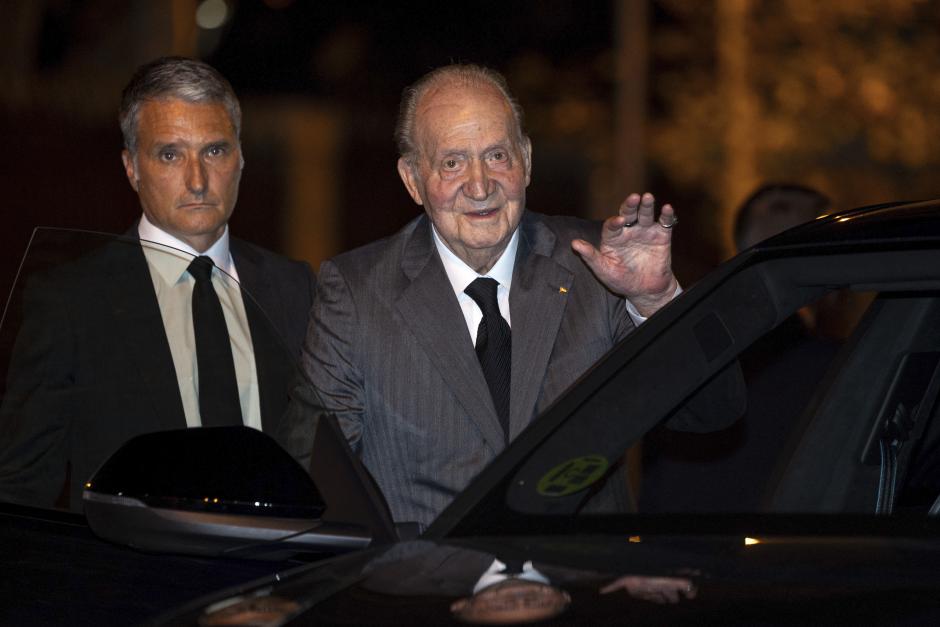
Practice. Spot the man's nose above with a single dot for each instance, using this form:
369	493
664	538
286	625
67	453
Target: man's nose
477	186
197	179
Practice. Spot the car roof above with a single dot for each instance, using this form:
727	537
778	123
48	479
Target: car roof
874	224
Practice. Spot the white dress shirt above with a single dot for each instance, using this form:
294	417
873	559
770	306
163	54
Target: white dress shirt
461	275
494	575
168	259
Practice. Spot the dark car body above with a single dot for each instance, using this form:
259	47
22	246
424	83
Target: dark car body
837	522
803	579
57	572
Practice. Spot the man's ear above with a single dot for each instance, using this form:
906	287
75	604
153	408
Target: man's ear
409	178
527	158
129	168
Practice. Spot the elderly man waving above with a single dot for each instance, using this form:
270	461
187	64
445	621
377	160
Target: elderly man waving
436	346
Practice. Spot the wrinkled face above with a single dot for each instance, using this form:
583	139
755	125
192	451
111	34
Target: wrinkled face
471	172
187	168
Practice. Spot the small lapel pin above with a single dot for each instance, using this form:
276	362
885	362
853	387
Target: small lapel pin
562	290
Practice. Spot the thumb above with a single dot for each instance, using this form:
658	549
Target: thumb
586	250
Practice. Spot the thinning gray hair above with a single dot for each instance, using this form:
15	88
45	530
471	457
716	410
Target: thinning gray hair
460	74
169	78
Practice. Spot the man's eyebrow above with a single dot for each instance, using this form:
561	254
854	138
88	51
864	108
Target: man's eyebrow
500	145
165	146
179	144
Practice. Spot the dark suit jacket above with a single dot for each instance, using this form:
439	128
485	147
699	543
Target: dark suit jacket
92	368
389	353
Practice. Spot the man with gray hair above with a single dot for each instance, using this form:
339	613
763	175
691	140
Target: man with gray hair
154	331
437	346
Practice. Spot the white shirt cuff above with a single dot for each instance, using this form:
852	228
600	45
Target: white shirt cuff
635	315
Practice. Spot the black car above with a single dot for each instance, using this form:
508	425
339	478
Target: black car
818	507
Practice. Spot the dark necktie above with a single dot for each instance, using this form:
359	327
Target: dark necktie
219	403
513	567
494	346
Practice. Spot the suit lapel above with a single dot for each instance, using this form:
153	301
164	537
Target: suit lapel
429	308
137	321
273	362
537	303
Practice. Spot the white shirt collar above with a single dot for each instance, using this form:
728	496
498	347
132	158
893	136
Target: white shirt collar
166	244
494	575
461	275
218	252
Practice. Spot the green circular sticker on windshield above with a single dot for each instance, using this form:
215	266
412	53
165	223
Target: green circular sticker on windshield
572	476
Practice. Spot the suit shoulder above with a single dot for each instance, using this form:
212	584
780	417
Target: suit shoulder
378	260
271	260
74	262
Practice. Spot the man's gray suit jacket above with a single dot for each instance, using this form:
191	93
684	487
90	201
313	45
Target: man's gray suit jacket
388	352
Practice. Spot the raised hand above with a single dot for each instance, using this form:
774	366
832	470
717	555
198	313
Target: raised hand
660	590
634	259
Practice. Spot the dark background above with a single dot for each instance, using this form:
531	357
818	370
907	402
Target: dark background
725	95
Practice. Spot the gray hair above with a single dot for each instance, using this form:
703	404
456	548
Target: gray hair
457	74
174	78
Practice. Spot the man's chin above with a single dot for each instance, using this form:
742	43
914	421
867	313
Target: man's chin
490	232
200	237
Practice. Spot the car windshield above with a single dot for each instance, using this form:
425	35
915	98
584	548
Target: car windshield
86	364
837	340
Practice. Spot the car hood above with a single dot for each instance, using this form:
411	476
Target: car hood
772	579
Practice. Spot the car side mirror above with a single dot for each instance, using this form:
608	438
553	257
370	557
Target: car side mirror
214	491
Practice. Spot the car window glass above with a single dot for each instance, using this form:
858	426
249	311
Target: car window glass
842	400
730	470
86	363
869	442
